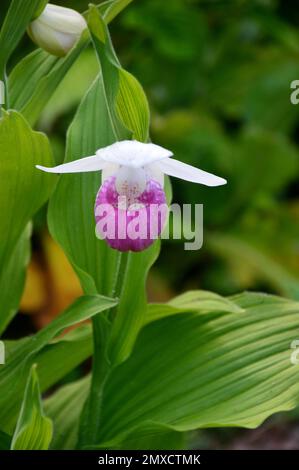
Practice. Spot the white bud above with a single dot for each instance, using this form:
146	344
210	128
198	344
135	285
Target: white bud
57	29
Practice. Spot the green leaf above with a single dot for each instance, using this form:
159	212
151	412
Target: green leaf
27	76
19	15
110	9
128	106
198	301
65	407
34	80
23	188
12	279
34	429
13	374
156	437
194	370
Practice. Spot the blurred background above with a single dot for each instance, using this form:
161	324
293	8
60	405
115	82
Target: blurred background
217	75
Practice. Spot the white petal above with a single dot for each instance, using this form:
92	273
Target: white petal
94	163
133	154
187	172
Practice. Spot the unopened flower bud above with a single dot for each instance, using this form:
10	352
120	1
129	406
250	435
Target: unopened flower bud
57	29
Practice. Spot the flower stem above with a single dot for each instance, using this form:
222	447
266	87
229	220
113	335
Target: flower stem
101	366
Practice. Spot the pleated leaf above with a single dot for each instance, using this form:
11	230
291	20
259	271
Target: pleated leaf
65	407
198	301
197	370
34	429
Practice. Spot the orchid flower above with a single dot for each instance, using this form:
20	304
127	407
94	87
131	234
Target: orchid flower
134	172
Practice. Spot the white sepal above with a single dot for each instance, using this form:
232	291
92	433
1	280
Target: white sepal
86	164
190	173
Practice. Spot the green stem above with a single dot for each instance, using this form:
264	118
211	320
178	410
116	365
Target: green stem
101	367
119	280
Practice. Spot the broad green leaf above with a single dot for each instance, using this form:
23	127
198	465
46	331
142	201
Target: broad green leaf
19	15
34	430
12	279
156	437
61	356
13	374
23	188
202	370
35	78
65	407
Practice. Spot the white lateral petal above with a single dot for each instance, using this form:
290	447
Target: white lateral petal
189	173
133	154
94	163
